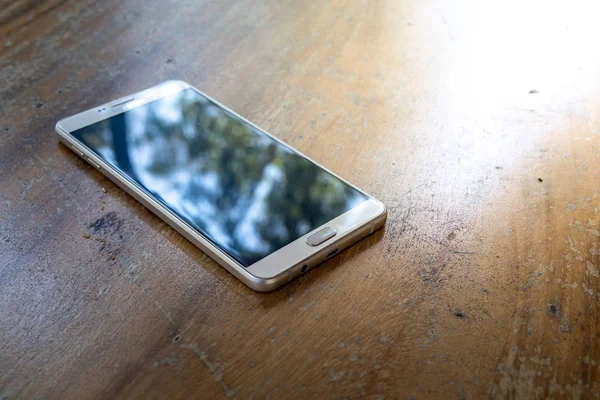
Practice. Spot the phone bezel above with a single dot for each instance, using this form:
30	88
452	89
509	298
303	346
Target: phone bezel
268	273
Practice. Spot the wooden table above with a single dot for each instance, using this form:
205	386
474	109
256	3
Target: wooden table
477	124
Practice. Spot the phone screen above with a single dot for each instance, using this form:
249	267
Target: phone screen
245	192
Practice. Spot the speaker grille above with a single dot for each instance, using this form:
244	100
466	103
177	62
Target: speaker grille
356	238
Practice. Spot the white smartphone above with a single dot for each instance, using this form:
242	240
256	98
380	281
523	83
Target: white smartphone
262	210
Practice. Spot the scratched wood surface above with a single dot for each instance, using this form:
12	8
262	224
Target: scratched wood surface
477	123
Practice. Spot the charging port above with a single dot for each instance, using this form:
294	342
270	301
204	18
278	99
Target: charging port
333	253
304	268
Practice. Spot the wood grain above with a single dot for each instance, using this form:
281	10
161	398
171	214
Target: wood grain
476	123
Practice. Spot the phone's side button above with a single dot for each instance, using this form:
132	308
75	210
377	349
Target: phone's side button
93	163
321	236
77	151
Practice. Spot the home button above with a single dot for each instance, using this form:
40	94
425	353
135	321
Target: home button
324	234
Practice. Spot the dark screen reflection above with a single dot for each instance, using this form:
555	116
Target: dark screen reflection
244	191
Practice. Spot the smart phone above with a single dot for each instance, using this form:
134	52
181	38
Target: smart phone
262	210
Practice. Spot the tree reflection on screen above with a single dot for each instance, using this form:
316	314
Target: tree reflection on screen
246	192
